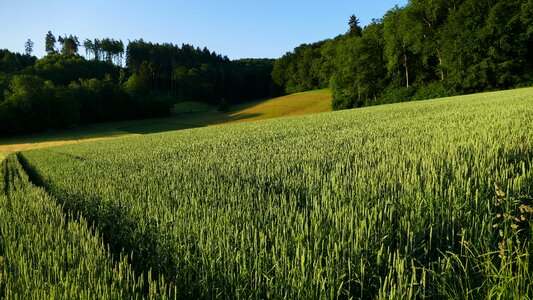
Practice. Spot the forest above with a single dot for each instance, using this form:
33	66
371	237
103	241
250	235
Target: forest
427	49
65	89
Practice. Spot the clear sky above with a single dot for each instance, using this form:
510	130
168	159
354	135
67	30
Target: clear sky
238	29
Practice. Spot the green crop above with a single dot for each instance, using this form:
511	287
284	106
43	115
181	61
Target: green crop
424	199
47	254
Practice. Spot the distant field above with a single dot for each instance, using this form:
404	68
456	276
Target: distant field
186	115
292	105
429	199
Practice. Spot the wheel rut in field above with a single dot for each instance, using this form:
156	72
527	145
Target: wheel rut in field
111	233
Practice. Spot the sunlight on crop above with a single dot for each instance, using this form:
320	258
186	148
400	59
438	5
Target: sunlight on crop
424	199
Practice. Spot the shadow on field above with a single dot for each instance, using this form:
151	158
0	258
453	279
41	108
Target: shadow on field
214	118
155	128
185	116
241	116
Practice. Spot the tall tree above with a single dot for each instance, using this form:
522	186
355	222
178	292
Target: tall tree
89	46
345	93
107	46
118	51
397	44
486	45
360	72
50	43
28	46
427	23
97	49
61	41
527	20
70	44
355	29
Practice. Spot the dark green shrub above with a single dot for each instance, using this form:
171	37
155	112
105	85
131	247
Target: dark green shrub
434	90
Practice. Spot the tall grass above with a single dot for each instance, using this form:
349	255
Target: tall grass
418	200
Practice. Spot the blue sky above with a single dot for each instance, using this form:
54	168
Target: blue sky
238	29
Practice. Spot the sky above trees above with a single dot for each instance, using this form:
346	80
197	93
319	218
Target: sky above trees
238	29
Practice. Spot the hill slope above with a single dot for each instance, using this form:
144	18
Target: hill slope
296	104
424	199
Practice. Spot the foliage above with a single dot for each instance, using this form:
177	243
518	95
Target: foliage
14	62
308	67
194	74
29	104
355	29
358	79
463	45
79	90
63	69
33	104
5	80
427	199
400	94
28	47
69	44
434	90
50	43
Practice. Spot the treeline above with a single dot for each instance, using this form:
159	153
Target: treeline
194	74
64	88
426	49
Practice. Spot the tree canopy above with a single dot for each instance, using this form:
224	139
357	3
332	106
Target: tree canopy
64	88
427	49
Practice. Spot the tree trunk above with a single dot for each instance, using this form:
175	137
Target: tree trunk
406	68
440	64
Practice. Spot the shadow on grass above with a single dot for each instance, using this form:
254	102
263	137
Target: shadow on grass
231	116
155	128
98	131
215	118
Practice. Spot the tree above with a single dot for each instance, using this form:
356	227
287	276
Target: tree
28	46
118	51
342	81
355	29
50	43
113	49
306	68
397	44
30	97
506	39
97	48
360	73
69	44
89	46
527	20
61	41
428	20
486	45
370	64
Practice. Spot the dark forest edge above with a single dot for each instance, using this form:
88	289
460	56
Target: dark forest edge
425	50
65	89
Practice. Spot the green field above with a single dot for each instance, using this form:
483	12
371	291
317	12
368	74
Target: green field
423	199
185	115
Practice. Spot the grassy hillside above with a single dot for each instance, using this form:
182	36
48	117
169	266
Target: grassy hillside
422	199
186	115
